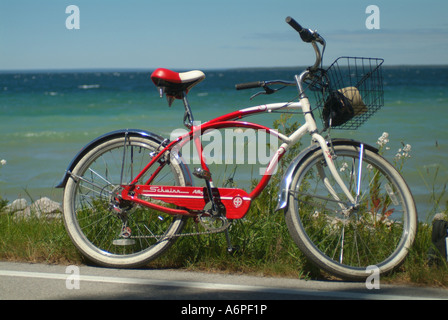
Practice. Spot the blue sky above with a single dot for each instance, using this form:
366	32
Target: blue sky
209	34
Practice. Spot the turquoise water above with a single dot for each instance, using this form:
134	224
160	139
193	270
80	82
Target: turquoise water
46	117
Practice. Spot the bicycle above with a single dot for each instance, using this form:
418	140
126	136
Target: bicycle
129	193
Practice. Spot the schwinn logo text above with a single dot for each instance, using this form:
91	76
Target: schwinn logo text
165	190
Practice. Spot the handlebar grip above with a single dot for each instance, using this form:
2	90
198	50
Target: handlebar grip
249	85
305	34
293	23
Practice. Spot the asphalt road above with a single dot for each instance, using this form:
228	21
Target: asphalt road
23	281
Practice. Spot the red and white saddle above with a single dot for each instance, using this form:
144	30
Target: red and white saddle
175	84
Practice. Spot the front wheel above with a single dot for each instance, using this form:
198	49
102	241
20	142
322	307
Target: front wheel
348	239
115	233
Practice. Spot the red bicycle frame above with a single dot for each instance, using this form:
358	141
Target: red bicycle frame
193	199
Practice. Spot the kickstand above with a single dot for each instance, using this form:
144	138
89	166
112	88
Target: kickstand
230	249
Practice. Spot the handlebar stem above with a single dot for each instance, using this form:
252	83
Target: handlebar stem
301	78
318	55
299	82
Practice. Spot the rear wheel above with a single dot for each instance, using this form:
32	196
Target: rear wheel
115	233
349	240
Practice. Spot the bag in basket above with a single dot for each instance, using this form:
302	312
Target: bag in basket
342	105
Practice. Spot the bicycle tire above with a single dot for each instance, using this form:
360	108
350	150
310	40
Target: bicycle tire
347	244
95	227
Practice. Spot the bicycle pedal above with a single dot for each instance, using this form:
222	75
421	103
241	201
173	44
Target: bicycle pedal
233	250
123	242
202	174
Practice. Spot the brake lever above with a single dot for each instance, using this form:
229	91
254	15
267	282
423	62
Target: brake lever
267	90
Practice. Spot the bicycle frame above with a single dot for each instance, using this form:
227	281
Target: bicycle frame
236	201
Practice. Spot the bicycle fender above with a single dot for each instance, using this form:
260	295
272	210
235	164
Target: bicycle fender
115	134
285	183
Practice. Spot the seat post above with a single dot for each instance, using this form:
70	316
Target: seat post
188	117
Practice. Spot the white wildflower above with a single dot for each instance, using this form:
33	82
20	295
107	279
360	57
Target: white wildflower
383	140
3	162
407	148
404	152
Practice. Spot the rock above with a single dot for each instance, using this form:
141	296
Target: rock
47	207
42	208
16	205
440	216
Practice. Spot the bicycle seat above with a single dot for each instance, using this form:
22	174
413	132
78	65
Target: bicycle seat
173	83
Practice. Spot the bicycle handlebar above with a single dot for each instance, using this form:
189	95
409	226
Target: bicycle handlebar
308	36
263	84
249	85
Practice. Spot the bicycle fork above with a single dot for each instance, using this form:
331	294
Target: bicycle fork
354	201
329	161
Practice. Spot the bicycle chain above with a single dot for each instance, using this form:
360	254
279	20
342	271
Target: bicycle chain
209	231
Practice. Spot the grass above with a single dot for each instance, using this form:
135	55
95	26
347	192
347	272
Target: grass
35	240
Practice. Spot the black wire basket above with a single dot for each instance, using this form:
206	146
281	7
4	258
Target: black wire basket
351	93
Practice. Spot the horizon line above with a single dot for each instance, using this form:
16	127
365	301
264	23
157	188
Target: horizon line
144	69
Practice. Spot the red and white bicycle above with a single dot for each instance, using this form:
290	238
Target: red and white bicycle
129	193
